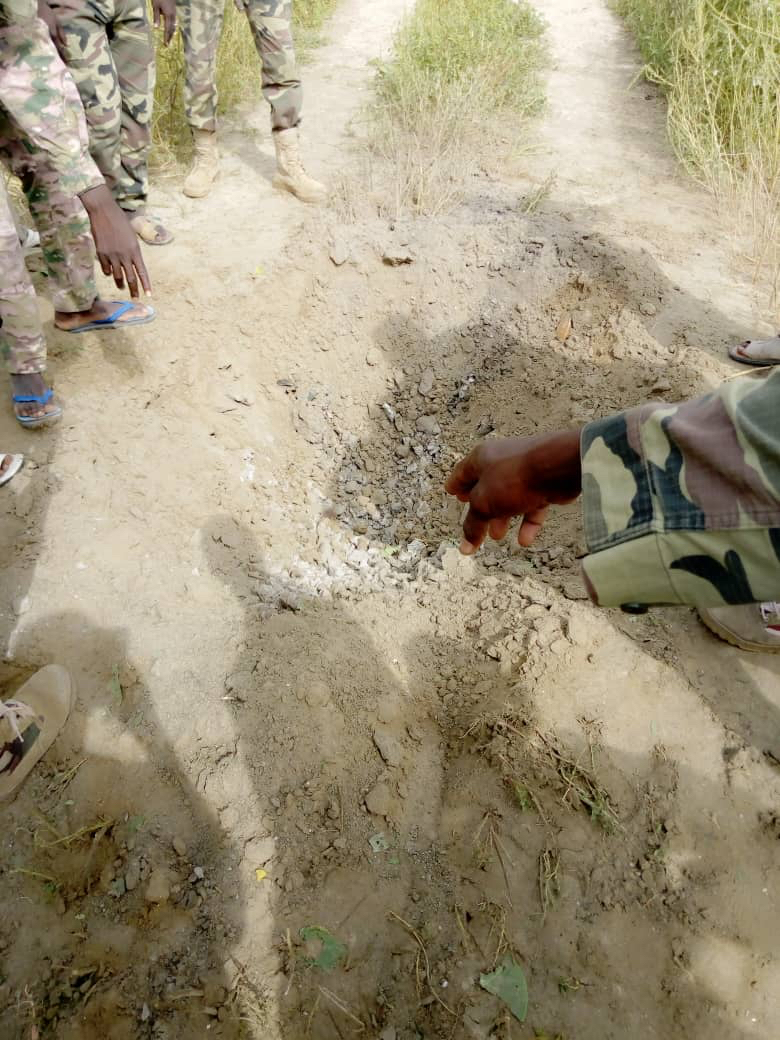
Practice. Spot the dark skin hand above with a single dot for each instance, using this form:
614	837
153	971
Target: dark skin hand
116	243
164	15
515	476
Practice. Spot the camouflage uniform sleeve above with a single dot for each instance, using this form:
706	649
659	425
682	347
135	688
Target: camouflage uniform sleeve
39	97
682	502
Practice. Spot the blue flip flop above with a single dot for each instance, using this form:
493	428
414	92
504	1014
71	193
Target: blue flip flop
31	421
112	321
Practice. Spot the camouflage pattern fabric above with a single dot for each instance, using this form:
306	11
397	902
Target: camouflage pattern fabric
270	21
682	502
43	140
110	56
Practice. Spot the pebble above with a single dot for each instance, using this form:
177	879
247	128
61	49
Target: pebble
428	424
179	846
426	382
132	876
379	800
339	254
373	356
388	745
318	695
397	255
159	888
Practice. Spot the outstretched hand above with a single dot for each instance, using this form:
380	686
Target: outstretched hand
116	244
164	15
515	476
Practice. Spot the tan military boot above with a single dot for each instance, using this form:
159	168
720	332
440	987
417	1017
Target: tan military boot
205	166
754	626
291	175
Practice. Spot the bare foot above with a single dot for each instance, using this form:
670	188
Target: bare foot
758	351
31	385
99	310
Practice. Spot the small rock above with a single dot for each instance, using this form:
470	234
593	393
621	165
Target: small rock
146	1013
388	745
318	695
159	888
132	875
454	562
428	424
199	873
426	383
373	356
379	800
179	846
648	308
339	254
563	331
394	256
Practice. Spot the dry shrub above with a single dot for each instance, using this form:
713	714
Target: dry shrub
719	63
459	69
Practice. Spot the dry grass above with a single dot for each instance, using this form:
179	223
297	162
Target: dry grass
459	69
719	63
238	74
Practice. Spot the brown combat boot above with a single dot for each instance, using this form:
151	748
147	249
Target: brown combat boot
291	175
754	626
205	166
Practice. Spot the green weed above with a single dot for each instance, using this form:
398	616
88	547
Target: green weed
459	70
718	62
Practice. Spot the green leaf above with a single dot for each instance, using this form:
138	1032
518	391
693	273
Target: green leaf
331	950
508	983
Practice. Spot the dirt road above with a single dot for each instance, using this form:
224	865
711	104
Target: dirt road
298	707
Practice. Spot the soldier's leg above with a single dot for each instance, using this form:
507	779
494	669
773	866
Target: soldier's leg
22	344
201	26
200	22
66	240
272	29
91	63
21	331
271	22
131	49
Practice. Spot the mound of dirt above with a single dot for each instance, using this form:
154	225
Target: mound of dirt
324	776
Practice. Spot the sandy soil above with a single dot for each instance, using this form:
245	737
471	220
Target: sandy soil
297	705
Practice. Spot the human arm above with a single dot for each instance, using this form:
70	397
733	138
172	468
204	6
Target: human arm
681	503
41	100
164	16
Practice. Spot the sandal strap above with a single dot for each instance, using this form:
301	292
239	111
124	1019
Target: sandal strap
34	398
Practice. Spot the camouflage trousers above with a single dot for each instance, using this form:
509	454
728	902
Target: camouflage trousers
67	249
270	22
110	56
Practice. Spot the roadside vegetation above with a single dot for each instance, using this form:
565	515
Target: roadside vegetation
463	75
718	62
238	73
